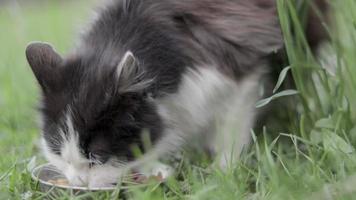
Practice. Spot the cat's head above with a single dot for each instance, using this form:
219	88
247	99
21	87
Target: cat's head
93	112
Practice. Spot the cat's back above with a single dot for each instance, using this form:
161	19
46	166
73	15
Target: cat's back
169	35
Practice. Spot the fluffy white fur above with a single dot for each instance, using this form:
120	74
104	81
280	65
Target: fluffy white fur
71	162
212	109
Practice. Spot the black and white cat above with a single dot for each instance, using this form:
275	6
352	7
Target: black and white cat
186	72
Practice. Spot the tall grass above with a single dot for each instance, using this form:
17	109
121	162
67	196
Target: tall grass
313	157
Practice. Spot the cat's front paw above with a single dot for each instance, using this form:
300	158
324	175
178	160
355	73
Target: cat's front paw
157	170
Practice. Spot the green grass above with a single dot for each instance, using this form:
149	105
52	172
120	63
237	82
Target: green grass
311	157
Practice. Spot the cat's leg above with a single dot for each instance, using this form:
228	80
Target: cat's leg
204	96
188	112
233	125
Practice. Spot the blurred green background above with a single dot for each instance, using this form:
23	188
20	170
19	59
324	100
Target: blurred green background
56	22
312	157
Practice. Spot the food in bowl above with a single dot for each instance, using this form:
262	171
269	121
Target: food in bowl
142	179
60	181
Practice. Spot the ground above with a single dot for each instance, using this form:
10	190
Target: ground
304	151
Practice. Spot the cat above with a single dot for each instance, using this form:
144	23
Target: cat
177	72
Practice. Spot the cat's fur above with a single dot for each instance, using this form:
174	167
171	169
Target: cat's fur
182	71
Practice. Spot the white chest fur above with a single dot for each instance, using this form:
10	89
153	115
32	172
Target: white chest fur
213	108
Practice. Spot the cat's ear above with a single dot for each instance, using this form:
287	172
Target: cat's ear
44	62
131	76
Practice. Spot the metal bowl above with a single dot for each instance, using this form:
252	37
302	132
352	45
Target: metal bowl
43	174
